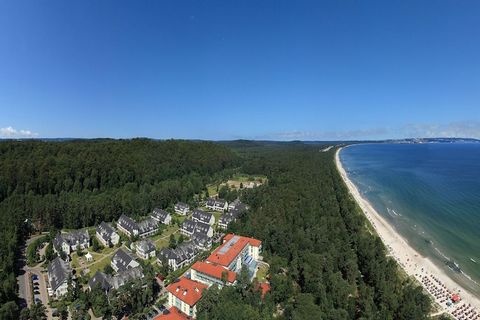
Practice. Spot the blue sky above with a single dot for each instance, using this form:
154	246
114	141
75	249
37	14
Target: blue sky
278	70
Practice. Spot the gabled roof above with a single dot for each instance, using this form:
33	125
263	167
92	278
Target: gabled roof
214	271
58	241
202	228
201	239
123	277
181	253
58	272
147	225
145	245
71	238
201	216
210	202
122	259
181	206
127	223
234	203
173	314
226	219
220	203
76	237
187	290
188	225
101	279
191	226
105	231
160	214
107	282
231	248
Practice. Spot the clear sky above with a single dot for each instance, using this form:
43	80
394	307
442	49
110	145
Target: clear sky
278	70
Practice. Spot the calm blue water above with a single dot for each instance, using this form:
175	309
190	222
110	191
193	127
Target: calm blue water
430	193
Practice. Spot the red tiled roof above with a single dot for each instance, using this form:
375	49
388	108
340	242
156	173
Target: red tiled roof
214	270
187	290
231	253
174	314
254	242
265	286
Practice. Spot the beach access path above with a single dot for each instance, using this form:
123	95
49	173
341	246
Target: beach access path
431	277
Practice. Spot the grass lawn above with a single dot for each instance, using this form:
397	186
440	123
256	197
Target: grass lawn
100	259
98	265
161	241
212	189
262	273
217	215
245	178
75	263
105	250
180	218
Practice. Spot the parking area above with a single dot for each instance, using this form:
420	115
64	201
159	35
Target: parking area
38	287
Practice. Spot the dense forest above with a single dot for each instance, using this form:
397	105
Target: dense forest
74	184
324	263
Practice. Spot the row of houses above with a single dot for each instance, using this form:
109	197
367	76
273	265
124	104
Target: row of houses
146	227
126	267
199	229
220	268
106	234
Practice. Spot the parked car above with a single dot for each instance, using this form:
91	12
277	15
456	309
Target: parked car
37	300
36	283
36	292
34	277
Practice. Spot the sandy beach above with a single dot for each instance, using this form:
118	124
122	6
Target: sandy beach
435	280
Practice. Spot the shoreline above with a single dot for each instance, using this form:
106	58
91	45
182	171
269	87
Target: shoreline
433	279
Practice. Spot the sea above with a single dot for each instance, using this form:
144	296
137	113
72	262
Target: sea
430	193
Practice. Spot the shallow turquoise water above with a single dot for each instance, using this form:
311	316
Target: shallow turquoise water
430	193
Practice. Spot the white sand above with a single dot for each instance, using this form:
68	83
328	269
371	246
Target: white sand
409	259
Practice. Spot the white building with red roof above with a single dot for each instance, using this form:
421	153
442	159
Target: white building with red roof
237	251
184	295
211	273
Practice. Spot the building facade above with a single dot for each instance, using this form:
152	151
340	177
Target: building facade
59	272
107	235
182	208
184	295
